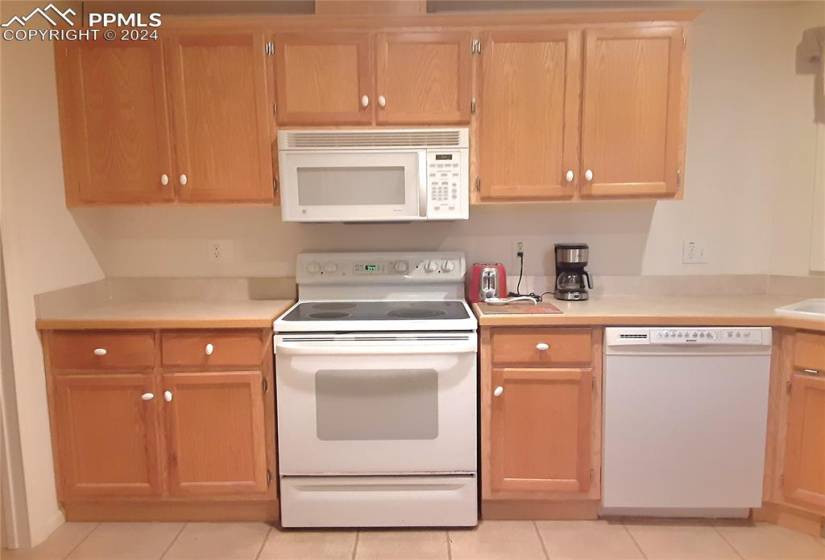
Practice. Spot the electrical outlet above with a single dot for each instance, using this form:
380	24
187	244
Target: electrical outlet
220	251
693	252
515	260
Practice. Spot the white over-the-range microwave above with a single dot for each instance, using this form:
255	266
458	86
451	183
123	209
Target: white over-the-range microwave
374	175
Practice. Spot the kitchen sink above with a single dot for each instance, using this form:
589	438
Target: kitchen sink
806	309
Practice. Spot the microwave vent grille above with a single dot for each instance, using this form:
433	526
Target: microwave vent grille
374	139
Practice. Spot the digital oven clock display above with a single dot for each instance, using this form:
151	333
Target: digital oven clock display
368	268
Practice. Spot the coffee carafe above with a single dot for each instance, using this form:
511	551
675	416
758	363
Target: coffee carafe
572	280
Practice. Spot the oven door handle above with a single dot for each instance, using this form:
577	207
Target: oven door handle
332	349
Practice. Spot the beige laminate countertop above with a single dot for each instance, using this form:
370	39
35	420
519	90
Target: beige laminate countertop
168	314
754	310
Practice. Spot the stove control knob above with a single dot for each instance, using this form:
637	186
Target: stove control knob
401	267
313	268
431	266
448	266
329	268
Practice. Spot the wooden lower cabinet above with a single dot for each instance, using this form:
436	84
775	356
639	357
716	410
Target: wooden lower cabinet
541	426
541	430
107	438
194	440
795	457
215	433
804	481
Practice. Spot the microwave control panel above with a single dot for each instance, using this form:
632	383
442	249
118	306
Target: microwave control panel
447	184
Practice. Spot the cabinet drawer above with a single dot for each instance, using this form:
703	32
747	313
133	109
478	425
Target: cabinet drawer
809	351
211	349
101	350
542	347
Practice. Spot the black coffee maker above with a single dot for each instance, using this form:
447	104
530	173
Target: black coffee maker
572	280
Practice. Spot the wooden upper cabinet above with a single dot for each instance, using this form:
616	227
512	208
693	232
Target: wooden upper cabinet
107	436
323	78
805	452
529	114
215	433
632	114
423	77
114	122
541	430
221	108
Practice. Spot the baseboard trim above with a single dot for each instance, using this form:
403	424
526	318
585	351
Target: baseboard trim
791	518
533	509
173	511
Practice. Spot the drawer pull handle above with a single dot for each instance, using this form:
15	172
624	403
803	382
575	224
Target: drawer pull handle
167	396
209	349
101	351
813	372
542	346
498	391
147	396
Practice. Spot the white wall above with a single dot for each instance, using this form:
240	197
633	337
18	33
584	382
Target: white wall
42	250
792	168
750	156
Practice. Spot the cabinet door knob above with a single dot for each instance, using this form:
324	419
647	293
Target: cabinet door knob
164	179
588	175
382	101
167	396
542	346
209	349
569	176
183	179
497	392
147	396
365	101
812	372
101	351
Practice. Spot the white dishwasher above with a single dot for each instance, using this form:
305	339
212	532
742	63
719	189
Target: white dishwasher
685	416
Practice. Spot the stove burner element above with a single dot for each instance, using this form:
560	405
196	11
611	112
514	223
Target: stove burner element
333	305
329	315
416	313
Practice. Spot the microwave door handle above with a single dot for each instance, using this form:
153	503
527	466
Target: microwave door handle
422	183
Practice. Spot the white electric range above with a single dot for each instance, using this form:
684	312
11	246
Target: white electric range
377	392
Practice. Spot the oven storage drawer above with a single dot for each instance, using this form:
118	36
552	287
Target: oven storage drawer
426	501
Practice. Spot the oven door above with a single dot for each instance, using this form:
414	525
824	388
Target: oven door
318	186
402	403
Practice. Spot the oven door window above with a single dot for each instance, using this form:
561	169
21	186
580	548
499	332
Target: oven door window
380	404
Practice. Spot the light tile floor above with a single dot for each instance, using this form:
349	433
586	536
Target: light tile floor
492	540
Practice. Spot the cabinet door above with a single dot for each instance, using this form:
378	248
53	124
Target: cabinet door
529	114
423	78
222	117
323	78
215	433
106	435
541	430
805	453
632	128
114	122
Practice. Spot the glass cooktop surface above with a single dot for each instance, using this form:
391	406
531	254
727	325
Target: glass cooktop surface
377	311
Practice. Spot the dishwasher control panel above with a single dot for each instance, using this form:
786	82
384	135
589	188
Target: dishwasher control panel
739	336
